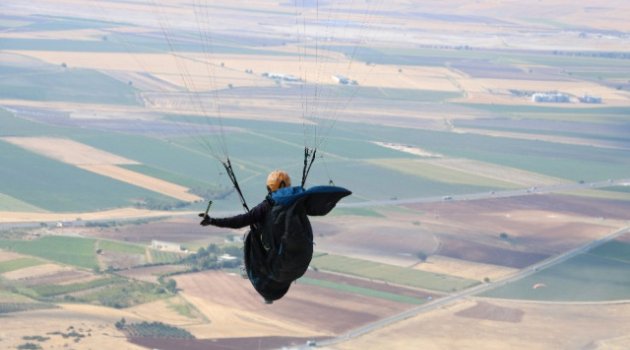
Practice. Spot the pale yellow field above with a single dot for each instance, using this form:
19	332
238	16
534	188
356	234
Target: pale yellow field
164	310
35	271
539	137
144	181
468	172
238	313
199	72
464	269
543	326
68	151
75	34
95	323
100	162
6	256
122	214
496	91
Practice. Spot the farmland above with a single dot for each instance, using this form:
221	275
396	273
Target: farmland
66	250
115	118
381	272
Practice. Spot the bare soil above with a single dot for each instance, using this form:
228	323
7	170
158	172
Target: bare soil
489	311
321	310
261	343
175	229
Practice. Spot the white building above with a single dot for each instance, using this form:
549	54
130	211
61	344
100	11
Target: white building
280	76
340	79
590	99
553	97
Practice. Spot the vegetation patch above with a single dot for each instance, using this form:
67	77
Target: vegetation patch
120	247
362	291
392	274
164	257
74	188
215	257
152	330
122	295
586	277
18	264
6	308
8	203
66	250
615	250
66	84
368	212
52	290
436	172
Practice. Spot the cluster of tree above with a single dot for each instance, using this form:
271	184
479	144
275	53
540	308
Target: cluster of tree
212	193
214	257
155	204
153	330
600	54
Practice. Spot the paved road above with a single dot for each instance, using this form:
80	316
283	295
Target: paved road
493	194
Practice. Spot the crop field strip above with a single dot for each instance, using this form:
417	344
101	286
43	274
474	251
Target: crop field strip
73	190
73	251
392	274
121	247
51	290
362	291
17	264
600	275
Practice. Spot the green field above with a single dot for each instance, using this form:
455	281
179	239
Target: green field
65	187
9	203
65	84
125	294
160	257
369	212
51	290
347	152
617	189
556	112
587	277
17	264
66	250
391	274
120	247
574	162
435	172
6	308
616	250
361	291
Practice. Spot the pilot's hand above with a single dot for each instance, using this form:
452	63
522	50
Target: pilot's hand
206	219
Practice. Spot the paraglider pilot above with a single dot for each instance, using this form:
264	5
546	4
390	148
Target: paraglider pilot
279	246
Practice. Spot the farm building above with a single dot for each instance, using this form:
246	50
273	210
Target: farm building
553	97
227	257
340	79
168	246
280	76
590	99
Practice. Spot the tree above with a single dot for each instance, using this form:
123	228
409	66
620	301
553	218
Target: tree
503	235
422	256
121	324
171	286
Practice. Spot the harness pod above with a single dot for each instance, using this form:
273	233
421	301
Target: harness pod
280	251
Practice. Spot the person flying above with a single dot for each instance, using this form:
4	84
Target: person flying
279	246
